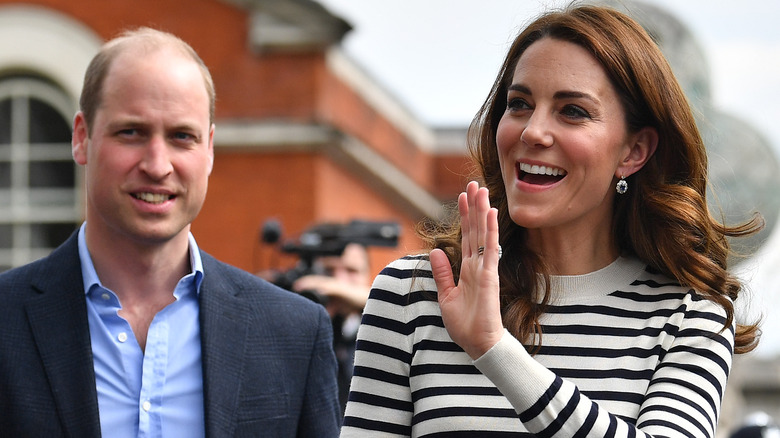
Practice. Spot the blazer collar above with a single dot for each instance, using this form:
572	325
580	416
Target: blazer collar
58	319
224	323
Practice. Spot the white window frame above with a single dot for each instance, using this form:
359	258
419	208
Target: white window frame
27	206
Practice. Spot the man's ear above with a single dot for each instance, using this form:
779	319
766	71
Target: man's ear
641	147
211	146
80	139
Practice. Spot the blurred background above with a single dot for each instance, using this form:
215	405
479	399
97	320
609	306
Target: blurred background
332	111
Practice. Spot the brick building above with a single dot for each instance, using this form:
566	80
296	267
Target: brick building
303	135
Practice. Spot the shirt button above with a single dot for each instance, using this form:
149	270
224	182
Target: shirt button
146	405
122	337
106	296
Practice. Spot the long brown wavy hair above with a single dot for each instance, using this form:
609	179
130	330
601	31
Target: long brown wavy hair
663	220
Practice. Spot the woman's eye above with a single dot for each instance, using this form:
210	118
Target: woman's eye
575	112
516	104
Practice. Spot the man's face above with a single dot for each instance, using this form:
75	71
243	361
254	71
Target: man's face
352	267
151	148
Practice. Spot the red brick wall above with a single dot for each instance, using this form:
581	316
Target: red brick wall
248	187
245	190
342	107
297	189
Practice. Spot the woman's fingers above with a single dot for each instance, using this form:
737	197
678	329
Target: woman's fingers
471	309
482	204
473	206
465	231
442	273
472	192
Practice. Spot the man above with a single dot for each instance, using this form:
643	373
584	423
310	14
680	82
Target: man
128	328
345	285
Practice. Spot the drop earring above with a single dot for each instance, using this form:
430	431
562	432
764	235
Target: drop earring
622	186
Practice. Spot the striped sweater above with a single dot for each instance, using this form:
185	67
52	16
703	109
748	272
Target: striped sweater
625	352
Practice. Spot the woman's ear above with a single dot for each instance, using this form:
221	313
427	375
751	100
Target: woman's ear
641	147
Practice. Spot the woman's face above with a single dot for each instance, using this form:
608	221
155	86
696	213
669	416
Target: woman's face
561	141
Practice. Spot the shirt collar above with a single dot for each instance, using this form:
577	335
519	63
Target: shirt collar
90	277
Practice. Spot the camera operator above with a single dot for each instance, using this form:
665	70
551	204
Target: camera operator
333	269
344	283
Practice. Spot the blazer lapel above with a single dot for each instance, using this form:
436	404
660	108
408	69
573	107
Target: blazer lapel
224	325
58	319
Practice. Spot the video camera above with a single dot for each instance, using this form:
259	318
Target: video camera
326	239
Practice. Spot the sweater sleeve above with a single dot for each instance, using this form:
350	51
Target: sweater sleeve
683	398
380	400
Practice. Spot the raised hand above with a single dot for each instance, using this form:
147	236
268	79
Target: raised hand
471	309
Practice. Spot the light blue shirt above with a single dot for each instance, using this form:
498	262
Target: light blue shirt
159	392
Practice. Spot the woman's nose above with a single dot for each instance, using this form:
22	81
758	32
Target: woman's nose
537	130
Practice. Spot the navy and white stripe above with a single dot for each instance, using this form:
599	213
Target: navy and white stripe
625	352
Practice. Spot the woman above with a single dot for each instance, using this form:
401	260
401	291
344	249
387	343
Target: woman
593	299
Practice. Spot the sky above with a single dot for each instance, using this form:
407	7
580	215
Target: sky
440	57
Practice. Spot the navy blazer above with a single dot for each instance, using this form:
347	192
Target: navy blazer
268	362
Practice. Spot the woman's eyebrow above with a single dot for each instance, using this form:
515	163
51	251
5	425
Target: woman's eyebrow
559	95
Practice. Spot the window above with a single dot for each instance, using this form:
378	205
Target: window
38	177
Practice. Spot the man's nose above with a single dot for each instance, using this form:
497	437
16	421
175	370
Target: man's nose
156	160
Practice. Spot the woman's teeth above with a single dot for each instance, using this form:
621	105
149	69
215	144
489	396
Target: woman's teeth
541	170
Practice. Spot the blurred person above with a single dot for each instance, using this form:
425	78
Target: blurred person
344	284
583	290
129	329
757	425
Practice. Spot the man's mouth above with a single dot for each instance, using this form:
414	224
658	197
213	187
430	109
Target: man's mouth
152	198
540	175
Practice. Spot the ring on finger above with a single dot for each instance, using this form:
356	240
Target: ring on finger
481	251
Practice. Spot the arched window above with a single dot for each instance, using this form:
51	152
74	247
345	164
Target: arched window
38	177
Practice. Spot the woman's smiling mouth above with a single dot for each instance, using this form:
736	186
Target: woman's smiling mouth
539	175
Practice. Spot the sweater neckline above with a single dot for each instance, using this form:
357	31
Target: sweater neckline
618	274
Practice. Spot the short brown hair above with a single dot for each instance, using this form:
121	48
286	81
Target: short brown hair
91	93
